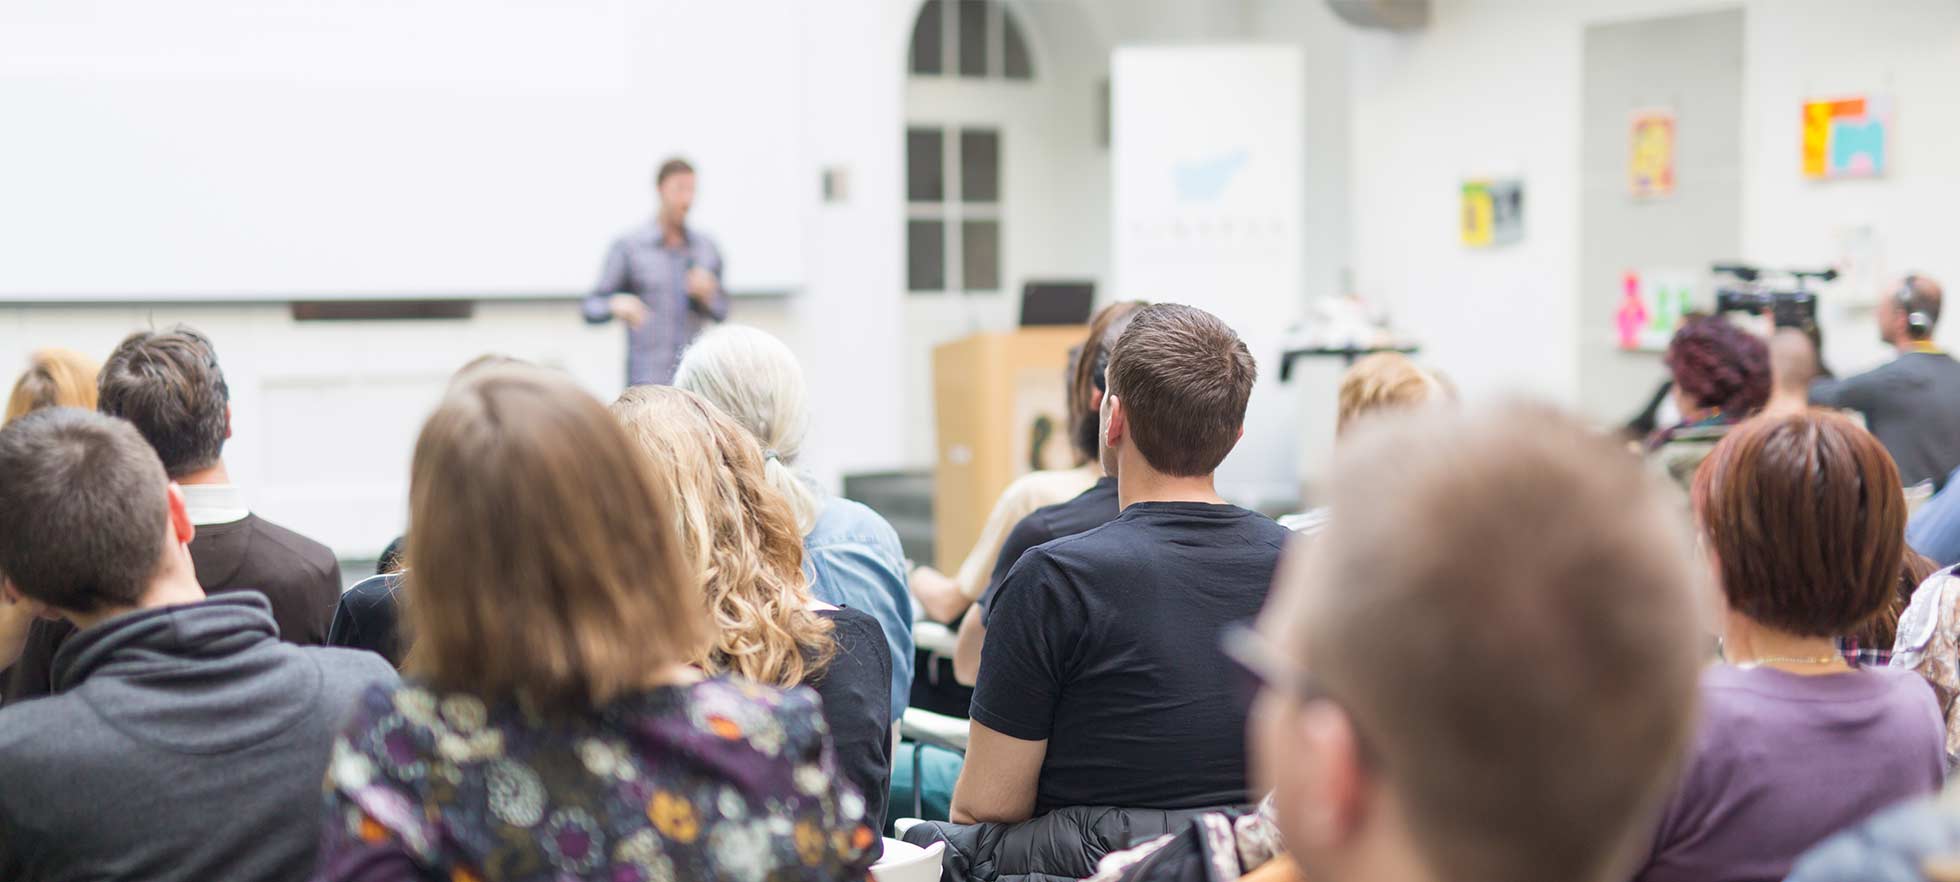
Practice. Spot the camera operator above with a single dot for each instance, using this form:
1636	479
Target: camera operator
1913	403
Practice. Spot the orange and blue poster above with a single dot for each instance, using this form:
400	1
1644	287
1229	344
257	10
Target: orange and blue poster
1845	137
1650	170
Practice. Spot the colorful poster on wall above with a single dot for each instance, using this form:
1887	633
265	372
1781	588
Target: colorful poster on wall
1846	137
1493	212
1652	303
1650	168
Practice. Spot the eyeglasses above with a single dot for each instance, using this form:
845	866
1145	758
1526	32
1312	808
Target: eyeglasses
1260	667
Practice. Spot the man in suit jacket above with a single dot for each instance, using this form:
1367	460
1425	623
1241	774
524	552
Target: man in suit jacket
168	384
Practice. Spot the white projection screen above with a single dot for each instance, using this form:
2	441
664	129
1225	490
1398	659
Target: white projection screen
281	149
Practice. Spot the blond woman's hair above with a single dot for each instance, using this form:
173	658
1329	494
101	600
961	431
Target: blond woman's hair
55	377
544	562
738	533
1386	381
755	379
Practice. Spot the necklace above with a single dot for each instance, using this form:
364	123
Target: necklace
1790	660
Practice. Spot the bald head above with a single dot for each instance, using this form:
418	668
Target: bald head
1792	362
1502	606
1911	310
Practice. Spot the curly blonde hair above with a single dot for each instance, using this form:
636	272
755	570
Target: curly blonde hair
739	534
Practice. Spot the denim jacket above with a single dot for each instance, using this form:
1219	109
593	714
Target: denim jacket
854	560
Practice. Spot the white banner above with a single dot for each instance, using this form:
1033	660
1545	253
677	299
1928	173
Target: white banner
1209	205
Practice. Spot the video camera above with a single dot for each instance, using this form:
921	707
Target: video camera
1787	307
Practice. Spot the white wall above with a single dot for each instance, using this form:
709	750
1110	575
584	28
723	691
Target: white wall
1492	86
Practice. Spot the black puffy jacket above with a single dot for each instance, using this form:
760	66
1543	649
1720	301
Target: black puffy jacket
1064	844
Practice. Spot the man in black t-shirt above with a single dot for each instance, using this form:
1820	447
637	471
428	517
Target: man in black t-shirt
1100	681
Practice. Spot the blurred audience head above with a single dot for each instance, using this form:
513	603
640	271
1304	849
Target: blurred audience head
1793	366
169	385
754	378
536	524
88	519
738	535
1718	369
1534	746
1179	379
1087	378
484	362
1385	382
1805	520
674	181
54	377
1908	313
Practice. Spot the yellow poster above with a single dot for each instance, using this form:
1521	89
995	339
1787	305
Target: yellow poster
1493	212
1650	171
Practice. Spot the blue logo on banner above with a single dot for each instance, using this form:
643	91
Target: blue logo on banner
1205	180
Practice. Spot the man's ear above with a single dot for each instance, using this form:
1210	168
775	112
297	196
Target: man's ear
35	608
227	422
180	516
1338	809
1117	425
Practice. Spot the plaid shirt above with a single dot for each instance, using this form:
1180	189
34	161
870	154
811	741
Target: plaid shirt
1864	657
641	262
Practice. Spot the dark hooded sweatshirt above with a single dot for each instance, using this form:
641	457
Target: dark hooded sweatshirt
184	743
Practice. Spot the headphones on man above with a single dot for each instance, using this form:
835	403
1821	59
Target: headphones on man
1919	322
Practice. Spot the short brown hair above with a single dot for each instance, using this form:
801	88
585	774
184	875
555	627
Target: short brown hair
542	559
1184	378
169	385
1502	606
1086	368
1807	520
670	168
84	510
54	378
1381	382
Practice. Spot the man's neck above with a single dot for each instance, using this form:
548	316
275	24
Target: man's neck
174	589
216	474
1137	482
673	231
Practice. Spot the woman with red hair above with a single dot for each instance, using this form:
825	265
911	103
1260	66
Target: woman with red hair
1721	377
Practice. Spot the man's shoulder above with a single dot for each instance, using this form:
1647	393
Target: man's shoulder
37	732
270	540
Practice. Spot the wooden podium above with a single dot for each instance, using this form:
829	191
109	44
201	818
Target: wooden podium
1001	408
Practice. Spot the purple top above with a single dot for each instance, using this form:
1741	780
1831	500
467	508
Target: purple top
1783	761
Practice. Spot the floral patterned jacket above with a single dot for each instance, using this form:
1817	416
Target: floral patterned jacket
719	781
1928	642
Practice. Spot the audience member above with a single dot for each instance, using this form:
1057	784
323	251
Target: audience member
944	599
368	614
1721	377
1403	745
1792	368
185	742
169	385
1927	643
1383	383
1913	403
1804	519
742	541
1918	841
554	729
54	377
1871	644
1100	681
1934	529
1093	507
852	555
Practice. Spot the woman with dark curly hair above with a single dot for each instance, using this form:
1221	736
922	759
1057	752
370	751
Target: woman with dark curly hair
1721	377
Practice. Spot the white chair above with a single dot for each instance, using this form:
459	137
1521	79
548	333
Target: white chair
905	862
